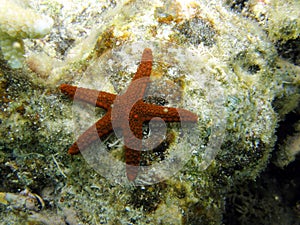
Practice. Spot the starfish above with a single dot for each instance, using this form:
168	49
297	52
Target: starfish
126	114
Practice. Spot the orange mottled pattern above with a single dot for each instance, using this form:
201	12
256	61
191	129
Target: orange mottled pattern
128	114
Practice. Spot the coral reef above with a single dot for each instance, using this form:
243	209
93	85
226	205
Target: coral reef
216	58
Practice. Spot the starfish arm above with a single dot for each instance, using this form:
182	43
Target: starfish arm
99	130
168	114
145	67
99	98
132	158
133	146
141	79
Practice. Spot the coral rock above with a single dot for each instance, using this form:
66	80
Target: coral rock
17	23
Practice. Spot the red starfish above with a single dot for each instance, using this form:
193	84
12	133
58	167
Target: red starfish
126	112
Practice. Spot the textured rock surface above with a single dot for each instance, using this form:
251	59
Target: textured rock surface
259	87
18	22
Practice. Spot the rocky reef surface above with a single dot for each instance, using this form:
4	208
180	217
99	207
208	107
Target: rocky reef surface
233	63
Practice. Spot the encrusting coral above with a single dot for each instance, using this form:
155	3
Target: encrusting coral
18	22
283	18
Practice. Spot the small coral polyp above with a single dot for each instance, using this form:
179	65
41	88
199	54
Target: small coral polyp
16	24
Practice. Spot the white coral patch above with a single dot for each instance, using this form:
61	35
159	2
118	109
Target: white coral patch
43	25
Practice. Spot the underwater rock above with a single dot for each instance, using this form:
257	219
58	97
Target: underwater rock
16	24
208	58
